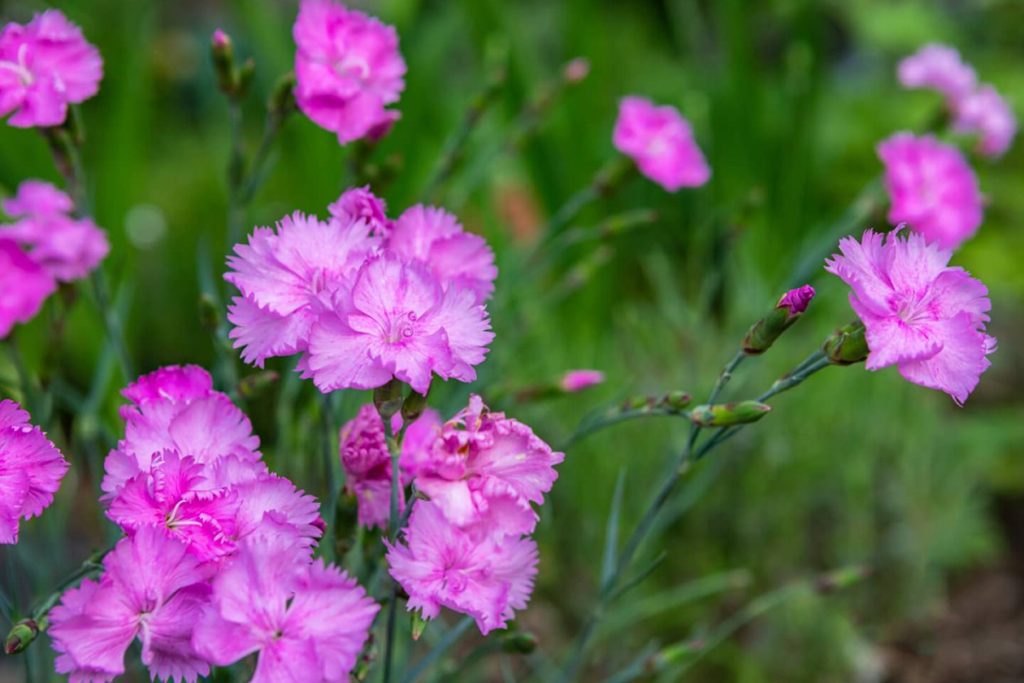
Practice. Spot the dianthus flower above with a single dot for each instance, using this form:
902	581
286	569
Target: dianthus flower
484	470
439	565
661	143
985	113
938	67
152	589
932	188
397	321
919	314
347	70
361	204
66	247
578	380
24	284
31	469
45	65
307	621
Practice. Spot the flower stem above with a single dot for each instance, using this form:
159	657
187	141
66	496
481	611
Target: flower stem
330	509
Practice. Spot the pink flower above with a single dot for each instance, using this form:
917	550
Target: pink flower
397	321
272	506
173	383
31	469
308	622
347	70
287	277
984	112
38	198
360	204
661	143
920	314
367	463
24	286
440	565
44	66
797	300
578	380
153	589
939	68
932	188
434	237
484	470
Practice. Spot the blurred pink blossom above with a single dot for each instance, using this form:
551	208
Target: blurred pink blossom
939	68
24	284
661	143
578	380
987	114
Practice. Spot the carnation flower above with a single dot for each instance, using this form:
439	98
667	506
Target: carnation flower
397	321
919	314
31	469
360	204
939	68
932	188
985	113
287	277
578	380
152	589
306	621
25	286
440	565
661	143
347	70
44	66
271	505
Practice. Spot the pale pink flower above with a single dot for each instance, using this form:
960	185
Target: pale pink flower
152	589
796	300
931	188
397	321
361	204
24	286
661	143
938	67
45	65
578	380
434	237
307	622
287	278
439	565
920	314
347	70
985	113
31	469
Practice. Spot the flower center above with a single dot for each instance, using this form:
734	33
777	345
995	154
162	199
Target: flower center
403	326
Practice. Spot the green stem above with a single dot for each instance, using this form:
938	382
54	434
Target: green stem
112	323
389	643
330	455
449	639
618	416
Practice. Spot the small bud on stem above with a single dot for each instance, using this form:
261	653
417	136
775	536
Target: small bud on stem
847	345
388	398
414	405
729	414
769	328
21	636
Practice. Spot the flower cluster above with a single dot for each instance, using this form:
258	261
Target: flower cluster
31	469
45	65
364	298
208	528
661	143
977	109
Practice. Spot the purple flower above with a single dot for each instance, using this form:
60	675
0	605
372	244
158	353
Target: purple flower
986	114
661	143
578	380
347	70
919	314
25	286
939	68
360	204
796	300
45	65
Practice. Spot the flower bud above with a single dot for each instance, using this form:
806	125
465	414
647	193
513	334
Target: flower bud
282	97
21	636
576	70
728	414
847	345
255	384
677	399
766	330
578	380
223	53
388	398
414	405
419	624
209	313
519	642
637	403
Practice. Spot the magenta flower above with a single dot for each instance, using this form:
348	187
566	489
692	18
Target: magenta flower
397	321
38	198
272	506
434	237
932	188
25	286
287	278
797	300
367	464
307	621
172	383
661	143
920	314
347	70
360	204
31	469
938	67
578	380
45	65
986	114
152	589
440	565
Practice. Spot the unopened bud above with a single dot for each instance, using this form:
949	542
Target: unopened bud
255	384
578	380
847	345
786	312
21	636
282	97
414	405
388	398
419	624
637	403
728	414
209	314
244	76
519	642
677	399
576	70
223	53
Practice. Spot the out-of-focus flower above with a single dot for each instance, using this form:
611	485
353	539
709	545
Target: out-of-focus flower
578	380
361	204
661	143
939	68
985	113
441	565
347	69
397	321
306	621
45	65
920	314
932	188
24	286
31	469
152	589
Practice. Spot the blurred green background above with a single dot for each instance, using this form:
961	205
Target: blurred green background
788	99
